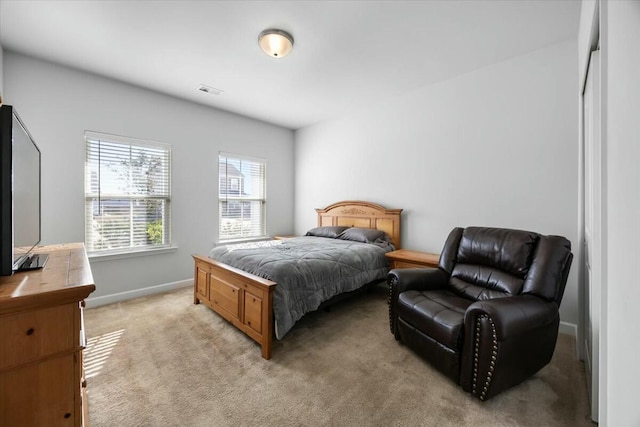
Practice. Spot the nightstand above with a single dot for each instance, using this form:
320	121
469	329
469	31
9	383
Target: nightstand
403	258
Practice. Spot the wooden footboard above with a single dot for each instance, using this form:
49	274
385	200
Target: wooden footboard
241	298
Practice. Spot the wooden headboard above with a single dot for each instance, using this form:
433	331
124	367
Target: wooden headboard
352	213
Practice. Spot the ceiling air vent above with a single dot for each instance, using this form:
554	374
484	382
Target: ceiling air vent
210	90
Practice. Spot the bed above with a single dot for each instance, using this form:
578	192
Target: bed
263	288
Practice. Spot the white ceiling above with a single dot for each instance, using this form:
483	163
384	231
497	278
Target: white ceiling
347	54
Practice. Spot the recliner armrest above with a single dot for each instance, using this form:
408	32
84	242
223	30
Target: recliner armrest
417	278
513	315
401	280
506	341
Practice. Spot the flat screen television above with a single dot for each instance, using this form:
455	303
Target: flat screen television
20	226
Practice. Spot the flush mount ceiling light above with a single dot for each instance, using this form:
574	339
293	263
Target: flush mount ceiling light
276	43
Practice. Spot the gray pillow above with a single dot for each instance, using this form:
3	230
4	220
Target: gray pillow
364	235
331	232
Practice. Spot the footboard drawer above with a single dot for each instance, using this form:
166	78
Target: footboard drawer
225	295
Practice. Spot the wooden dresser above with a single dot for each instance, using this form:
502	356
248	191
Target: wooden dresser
41	340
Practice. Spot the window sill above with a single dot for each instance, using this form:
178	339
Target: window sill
99	257
251	239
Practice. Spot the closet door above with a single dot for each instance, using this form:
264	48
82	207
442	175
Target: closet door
592	228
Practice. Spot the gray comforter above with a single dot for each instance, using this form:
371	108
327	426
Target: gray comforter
308	270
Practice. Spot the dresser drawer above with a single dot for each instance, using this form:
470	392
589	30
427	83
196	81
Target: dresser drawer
41	394
37	334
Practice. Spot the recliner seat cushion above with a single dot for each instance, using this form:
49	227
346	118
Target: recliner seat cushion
436	313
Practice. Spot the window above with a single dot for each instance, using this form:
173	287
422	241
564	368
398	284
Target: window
242	183
127	194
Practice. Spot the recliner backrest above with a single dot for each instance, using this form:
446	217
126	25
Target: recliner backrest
549	271
486	263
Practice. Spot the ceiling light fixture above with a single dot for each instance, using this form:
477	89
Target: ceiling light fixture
276	43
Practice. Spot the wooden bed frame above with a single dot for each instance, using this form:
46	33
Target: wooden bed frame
246	300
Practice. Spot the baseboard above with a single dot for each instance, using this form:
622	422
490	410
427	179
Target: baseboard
565	327
569	329
123	296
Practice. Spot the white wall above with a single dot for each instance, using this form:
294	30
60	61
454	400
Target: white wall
495	147
620	40
58	104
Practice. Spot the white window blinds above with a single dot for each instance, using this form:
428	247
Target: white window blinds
127	194
242	183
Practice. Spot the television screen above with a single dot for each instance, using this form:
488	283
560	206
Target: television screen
26	192
19	195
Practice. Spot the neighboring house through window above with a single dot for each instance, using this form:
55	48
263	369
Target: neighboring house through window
127	194
242	183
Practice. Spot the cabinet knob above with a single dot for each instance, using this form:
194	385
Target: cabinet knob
67	415
30	331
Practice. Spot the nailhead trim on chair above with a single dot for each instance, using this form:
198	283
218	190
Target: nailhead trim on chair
390	303
494	357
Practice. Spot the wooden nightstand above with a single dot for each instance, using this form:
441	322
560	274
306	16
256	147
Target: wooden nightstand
283	237
403	258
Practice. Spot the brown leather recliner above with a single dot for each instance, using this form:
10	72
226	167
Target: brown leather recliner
487	317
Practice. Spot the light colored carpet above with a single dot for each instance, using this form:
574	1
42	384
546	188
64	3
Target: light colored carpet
163	361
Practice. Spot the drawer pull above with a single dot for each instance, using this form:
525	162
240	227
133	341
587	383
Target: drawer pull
30	331
67	415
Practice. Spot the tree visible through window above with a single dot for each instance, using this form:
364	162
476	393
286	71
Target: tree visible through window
127	194
242	183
